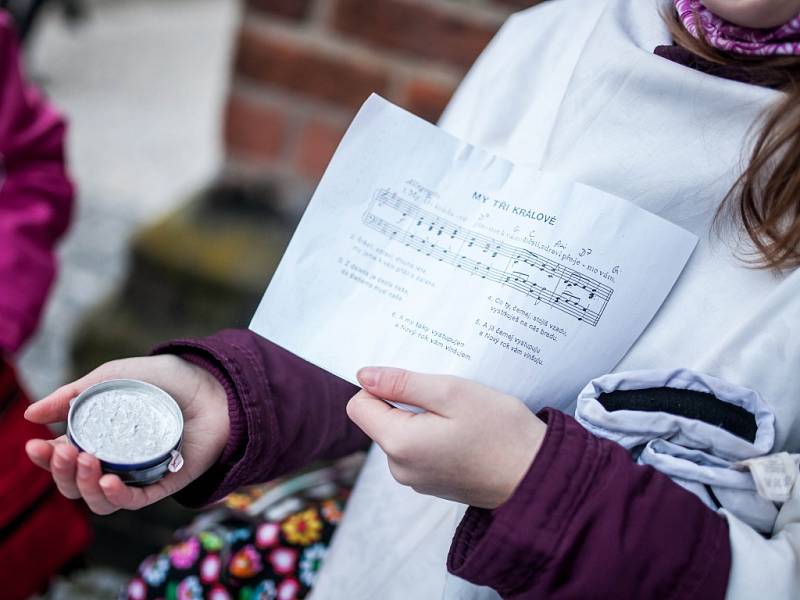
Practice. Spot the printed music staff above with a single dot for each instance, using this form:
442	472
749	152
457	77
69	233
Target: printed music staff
540	278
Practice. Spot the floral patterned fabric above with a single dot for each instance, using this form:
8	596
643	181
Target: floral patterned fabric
274	557
723	35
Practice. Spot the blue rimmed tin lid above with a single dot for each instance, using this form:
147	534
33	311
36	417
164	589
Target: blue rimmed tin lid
129	425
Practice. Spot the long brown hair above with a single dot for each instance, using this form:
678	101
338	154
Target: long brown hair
765	199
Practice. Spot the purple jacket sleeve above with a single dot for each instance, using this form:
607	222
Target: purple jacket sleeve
35	196
285	413
587	522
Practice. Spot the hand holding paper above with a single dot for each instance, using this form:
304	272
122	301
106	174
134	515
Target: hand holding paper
443	452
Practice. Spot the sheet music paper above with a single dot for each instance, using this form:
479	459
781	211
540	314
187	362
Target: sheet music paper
421	251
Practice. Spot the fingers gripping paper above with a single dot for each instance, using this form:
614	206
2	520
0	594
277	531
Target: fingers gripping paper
421	251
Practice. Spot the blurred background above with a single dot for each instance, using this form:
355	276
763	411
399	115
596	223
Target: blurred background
198	130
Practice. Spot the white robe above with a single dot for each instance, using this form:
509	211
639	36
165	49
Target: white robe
573	86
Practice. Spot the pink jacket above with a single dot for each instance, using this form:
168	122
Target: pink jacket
35	196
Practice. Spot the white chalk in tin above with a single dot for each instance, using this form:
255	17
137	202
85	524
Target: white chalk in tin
128	425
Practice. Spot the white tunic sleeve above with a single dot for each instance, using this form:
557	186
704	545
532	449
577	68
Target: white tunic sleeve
766	568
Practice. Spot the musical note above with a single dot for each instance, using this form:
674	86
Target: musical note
541	278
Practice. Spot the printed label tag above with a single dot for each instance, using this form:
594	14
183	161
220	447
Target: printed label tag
774	475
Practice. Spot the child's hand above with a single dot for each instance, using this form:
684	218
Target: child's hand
206	428
474	444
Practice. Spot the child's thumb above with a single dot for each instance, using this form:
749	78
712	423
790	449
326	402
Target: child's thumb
434	393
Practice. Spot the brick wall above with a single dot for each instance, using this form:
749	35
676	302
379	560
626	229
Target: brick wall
303	67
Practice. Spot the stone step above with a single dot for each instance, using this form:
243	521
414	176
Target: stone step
200	269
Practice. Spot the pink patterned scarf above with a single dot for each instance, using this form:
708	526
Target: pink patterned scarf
723	35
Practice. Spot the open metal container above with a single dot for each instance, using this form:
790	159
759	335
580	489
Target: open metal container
134	428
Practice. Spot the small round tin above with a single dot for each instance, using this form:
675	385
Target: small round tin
134	428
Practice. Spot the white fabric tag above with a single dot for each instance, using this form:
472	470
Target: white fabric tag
774	475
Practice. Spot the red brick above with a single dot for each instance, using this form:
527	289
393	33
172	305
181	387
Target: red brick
418	29
296	66
316	146
254	129
296	10
427	99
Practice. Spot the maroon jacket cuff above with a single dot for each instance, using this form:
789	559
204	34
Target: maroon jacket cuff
586	521
225	362
284	412
237	438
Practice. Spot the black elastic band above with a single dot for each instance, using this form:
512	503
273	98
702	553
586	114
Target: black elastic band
713	496
685	403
